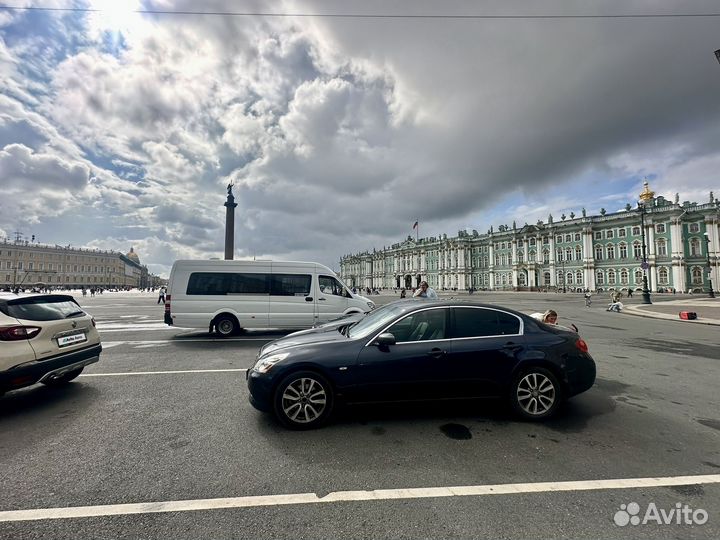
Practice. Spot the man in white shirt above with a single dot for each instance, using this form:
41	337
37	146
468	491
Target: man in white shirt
424	291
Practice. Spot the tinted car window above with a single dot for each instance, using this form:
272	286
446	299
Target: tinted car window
290	285
420	326
475	322
44	310
480	322
508	324
211	283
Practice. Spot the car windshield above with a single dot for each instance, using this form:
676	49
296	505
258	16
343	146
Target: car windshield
374	321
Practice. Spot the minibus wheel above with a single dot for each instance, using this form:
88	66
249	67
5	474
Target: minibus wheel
226	325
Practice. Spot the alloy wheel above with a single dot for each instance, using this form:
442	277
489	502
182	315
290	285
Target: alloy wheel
304	400
536	394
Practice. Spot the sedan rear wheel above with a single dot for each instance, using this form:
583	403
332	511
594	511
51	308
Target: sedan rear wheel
536	394
303	400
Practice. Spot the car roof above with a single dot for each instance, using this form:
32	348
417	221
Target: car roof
413	304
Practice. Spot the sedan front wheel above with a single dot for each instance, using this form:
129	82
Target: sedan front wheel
536	394
303	400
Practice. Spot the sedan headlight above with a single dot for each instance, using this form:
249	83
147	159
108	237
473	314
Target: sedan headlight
265	364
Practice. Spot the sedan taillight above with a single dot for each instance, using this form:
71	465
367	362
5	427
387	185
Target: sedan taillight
16	333
580	344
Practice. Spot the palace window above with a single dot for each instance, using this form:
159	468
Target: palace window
545	240
697	277
694	227
636	231
663	276
599	277
598	235
622	233
568	254
623	251
637	250
611	277
546	256
610	251
578	253
660	228
546	278
520	257
638	276
577	236
558	238
579	277
532	241
624	277
598	253
661	247
610	234
695	247
569	278
568	237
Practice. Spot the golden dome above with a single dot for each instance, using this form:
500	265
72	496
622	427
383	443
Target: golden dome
133	256
646	194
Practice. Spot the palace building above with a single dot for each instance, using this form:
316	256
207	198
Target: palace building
670	244
31	265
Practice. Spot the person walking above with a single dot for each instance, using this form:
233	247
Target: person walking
161	295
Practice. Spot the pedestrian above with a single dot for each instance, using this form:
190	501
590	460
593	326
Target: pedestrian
551	317
403	293
630	293
425	291
161	295
588	299
615	306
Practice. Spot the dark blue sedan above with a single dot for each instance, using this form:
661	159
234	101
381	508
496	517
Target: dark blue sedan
421	350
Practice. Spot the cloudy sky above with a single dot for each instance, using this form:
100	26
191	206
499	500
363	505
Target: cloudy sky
122	129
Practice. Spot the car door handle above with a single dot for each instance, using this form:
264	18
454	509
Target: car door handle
436	353
308	298
321	299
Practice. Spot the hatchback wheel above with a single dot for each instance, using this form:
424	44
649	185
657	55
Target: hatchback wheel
303	400
536	394
64	378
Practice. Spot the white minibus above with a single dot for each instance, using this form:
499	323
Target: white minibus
227	296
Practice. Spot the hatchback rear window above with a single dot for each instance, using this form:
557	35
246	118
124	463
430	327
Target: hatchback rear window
42	309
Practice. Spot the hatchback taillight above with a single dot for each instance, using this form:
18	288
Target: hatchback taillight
580	344
18	332
167	303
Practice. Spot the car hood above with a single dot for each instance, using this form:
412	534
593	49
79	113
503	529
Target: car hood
294	340
329	326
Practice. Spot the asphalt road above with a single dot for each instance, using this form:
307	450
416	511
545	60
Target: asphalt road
164	417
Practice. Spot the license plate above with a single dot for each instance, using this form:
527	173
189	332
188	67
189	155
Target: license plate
64	341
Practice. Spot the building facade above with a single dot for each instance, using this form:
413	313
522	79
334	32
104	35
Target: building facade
603	252
30	265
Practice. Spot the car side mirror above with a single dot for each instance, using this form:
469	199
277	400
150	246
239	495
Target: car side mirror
384	340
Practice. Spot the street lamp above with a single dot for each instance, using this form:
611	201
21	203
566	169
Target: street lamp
711	294
562	264
644	264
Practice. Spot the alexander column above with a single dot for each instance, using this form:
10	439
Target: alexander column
230	204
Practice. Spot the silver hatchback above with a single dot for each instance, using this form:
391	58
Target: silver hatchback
44	338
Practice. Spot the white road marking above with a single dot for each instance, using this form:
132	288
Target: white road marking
163	372
344	496
182	340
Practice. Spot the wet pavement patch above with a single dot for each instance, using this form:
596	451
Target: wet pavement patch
456	431
709	422
689	491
